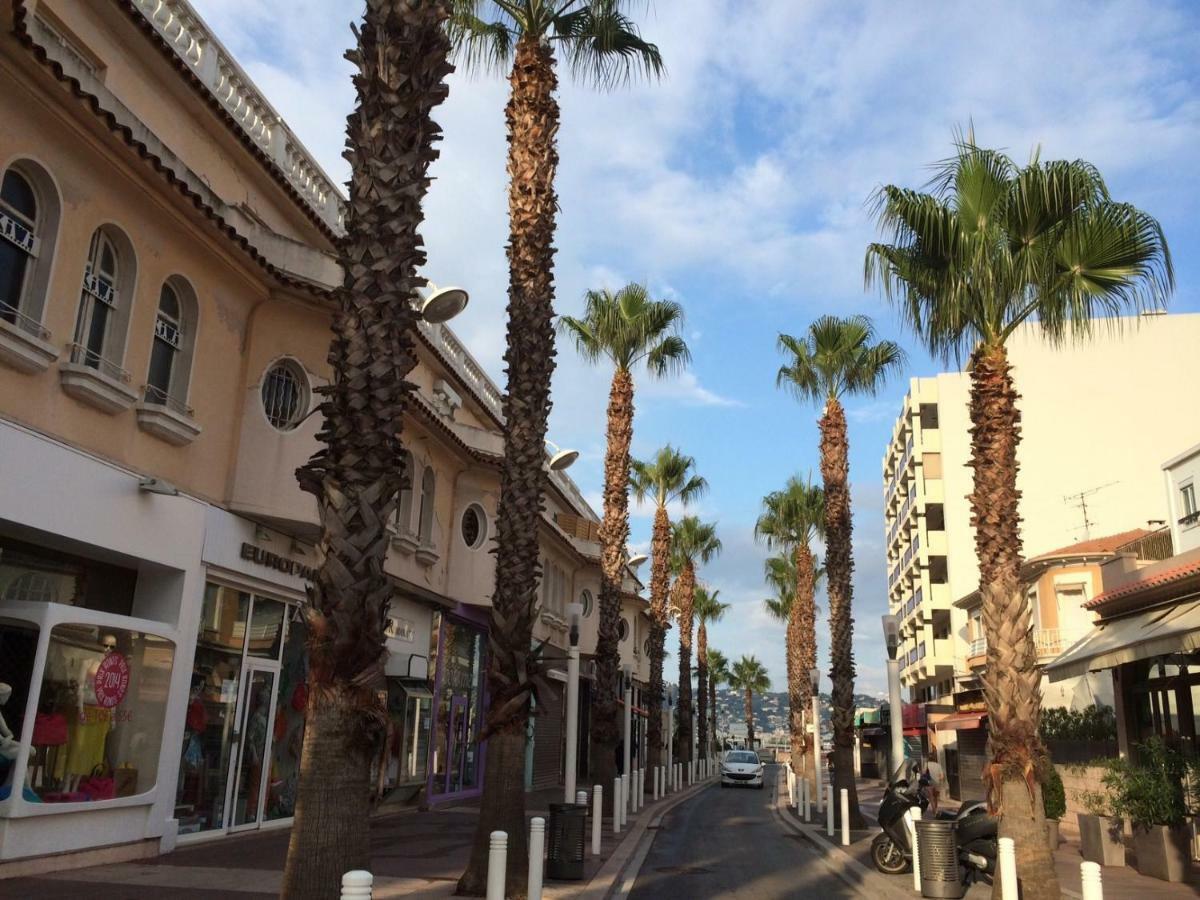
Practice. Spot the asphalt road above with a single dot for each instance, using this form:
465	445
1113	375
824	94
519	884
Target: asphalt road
727	842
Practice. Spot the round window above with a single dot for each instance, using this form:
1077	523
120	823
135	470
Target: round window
623	631
285	394
474	526
587	602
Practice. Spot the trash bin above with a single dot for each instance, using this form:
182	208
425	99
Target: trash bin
566	834
938	852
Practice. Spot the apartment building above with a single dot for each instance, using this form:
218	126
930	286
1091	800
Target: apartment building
166	266
1094	420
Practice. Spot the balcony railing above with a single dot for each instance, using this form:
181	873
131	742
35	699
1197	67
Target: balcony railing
14	316
1050	642
158	397
1151	547
978	647
83	356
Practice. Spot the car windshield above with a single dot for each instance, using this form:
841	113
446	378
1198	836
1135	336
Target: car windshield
744	756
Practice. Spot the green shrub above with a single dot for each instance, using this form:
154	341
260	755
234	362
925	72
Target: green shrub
1150	791
1054	796
1093	723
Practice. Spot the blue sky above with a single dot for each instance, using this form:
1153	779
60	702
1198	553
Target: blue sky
738	186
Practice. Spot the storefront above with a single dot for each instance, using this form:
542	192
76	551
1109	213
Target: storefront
410	695
458	647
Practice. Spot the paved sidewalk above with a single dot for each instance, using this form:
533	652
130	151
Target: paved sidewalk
413	854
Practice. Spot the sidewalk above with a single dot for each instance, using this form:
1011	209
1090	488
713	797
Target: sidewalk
413	854
1120	883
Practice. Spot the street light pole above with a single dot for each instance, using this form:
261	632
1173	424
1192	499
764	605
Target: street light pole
814	676
574	614
627	675
891	636
670	736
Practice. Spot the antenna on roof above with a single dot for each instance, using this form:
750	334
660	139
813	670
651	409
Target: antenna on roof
1080	502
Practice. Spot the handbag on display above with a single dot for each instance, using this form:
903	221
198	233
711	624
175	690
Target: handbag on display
49	730
98	786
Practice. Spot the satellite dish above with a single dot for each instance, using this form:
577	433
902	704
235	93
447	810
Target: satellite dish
443	304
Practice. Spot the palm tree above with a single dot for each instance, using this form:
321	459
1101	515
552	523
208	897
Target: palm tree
838	357
992	246
602	45
750	677
667	478
402	60
692	543
707	608
718	674
791	520
625	328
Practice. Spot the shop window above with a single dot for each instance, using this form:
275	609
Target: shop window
458	708
108	283
287	729
428	487
29	214
266	628
285	394
173	343
18	647
30	574
99	720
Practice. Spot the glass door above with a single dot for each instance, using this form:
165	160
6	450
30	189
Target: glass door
254	747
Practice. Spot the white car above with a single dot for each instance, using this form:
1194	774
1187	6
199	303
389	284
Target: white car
742	767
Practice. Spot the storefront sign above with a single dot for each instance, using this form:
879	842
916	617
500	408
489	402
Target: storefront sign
112	680
277	562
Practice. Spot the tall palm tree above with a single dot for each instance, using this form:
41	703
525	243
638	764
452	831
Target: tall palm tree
707	608
692	543
626	328
991	246
792	519
750	677
718	674
602	45
837	358
670	477
402	60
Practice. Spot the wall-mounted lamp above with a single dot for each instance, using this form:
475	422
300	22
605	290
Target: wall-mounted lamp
150	485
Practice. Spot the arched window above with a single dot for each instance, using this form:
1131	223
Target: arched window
29	212
104	303
428	485
404	510
587	602
171	351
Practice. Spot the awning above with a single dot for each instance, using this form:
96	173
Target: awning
1154	632
960	721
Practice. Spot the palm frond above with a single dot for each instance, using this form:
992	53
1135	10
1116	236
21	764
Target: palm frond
603	46
482	44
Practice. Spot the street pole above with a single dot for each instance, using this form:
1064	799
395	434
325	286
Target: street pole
670	736
815	677
627	674
574	614
891	636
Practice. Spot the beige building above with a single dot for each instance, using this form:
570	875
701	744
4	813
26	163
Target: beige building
1094	420
166	261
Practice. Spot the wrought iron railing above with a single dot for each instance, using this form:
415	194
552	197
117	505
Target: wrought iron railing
14	316
155	396
81	355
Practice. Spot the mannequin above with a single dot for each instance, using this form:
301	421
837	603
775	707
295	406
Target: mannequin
85	747
8	744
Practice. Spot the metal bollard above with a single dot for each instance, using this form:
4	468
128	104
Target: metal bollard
805	799
829	812
1008	868
597	817
616	805
497	860
656	784
845	818
537	855
356	885
914	815
1089	875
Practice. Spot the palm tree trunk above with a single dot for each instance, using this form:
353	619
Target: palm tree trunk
660	583
532	117
839	566
804	642
402	62
686	590
702	688
1011	682
749	711
614	535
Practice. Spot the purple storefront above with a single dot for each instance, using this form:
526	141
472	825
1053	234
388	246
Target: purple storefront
456	758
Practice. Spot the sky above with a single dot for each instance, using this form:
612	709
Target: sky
739	184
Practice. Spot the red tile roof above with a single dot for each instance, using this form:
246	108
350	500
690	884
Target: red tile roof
1169	576
1108	544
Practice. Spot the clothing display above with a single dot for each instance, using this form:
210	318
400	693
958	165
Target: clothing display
49	730
85	743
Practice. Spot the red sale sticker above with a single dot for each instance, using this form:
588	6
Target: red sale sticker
112	680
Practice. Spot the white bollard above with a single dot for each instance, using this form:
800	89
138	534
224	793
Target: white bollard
537	855
497	860
597	817
1089	875
829	812
624	799
914	816
616	805
356	885
791	786
845	817
1008	868
581	798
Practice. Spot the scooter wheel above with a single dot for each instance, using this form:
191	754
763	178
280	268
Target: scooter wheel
887	857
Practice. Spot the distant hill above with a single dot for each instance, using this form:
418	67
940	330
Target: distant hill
770	709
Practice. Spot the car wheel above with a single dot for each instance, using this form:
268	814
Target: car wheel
887	857
760	785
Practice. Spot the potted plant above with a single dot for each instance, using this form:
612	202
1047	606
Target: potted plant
1151	794
1054	803
1101	828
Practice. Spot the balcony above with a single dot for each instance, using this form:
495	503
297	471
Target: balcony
1050	642
24	343
1154	546
978	647
96	381
166	418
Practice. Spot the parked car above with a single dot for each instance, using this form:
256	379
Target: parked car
742	768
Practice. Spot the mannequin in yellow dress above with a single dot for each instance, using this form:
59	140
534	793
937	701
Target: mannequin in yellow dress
85	743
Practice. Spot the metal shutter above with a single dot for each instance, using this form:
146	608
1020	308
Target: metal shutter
547	738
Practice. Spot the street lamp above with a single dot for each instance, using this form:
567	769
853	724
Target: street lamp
561	459
443	304
636	560
891	636
814	677
574	614
627	682
670	736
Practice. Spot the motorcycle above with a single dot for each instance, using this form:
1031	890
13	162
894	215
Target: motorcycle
975	833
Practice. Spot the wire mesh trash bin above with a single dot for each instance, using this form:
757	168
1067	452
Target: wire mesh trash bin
937	846
566	833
